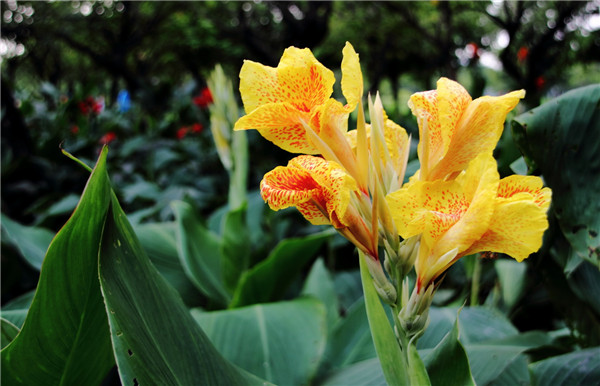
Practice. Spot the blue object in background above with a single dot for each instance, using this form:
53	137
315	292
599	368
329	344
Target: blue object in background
124	101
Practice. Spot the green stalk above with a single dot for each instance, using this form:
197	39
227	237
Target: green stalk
475	282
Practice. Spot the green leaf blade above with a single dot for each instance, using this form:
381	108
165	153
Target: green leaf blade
65	337
267	280
156	340
281	342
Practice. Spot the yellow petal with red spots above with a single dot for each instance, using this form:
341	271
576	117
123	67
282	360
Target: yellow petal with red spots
320	189
479	185
452	100
299	79
352	80
281	124
512	186
477	131
424	106
519	219
449	215
517	229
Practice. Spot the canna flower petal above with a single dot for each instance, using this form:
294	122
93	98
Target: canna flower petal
454	129
319	189
352	80
519	219
449	215
286	104
299	79
478	131
282	124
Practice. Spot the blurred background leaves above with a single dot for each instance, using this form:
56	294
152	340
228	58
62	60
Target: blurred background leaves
81	74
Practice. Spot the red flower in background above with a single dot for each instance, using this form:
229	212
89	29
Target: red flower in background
197	128
522	54
182	132
540	81
91	106
204	98
74	129
107	138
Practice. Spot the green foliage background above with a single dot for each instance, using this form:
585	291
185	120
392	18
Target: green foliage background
230	285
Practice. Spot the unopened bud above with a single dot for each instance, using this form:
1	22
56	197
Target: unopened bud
385	289
414	315
408	252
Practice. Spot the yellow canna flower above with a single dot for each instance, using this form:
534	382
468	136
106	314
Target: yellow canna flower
474	212
282	103
454	129
449	215
322	191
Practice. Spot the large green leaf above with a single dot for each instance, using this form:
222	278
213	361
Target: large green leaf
160	244
511	275
8	332
65	337
280	342
200	254
351	340
367	373
386	344
494	346
155	339
448	360
562	139
268	280
31	242
577	368
320	285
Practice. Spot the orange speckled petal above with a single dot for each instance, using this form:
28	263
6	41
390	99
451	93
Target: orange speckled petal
516	228
352	80
512	186
479	185
258	85
299	79
283	187
406	208
281	124
478	131
335	182
453	99
303	80
424	106
318	188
